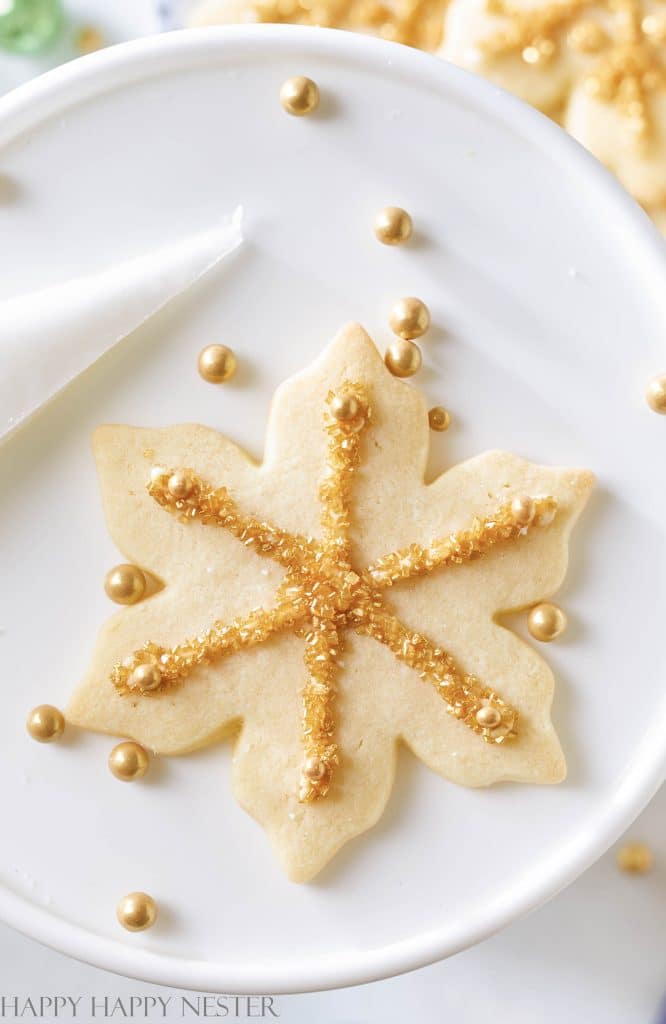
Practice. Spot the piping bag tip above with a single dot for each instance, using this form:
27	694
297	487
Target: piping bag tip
50	337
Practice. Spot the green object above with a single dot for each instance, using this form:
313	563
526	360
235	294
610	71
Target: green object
29	26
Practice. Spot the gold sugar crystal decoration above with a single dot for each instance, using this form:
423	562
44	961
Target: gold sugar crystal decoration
323	595
533	32
628	65
417	23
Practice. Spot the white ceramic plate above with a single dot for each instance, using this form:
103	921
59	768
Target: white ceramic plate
547	289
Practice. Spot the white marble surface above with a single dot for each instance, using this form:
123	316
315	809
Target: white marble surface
595	955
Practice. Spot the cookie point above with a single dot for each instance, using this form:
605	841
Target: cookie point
353	347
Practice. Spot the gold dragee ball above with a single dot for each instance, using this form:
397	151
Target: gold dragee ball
488	717
299	96
345	407
656	394
635	858
137	911
146	677
439	418
546	622
403	358
125	584
88	39
314	768
523	510
217	364
180	484
128	761
393	226
409	318
45	723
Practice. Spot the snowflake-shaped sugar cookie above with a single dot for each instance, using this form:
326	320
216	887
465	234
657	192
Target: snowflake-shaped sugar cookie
596	66
328	603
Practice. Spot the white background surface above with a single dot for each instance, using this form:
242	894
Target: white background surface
595	955
117	20
597	950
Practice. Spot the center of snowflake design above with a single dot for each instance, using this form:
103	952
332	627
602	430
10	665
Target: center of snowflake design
323	595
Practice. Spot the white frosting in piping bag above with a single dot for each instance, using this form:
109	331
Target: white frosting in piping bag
49	337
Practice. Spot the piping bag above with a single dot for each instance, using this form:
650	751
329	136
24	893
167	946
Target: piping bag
49	337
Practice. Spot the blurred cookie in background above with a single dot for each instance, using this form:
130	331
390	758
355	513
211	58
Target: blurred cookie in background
417	23
597	68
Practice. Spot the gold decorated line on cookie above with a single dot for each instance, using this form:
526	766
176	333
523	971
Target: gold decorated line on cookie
464	545
323	595
628	70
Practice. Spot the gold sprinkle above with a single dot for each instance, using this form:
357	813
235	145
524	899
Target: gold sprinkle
88	39
587	37
217	364
403	358
532	32
344	407
656	394
125	584
546	622
299	96
180	484
45	723
523	510
409	318
137	911
439	418
655	28
488	717
531	55
393	226
635	858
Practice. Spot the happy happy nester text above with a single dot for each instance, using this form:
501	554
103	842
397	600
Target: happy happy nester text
133	1007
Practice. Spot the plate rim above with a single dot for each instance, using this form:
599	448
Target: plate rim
36	101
